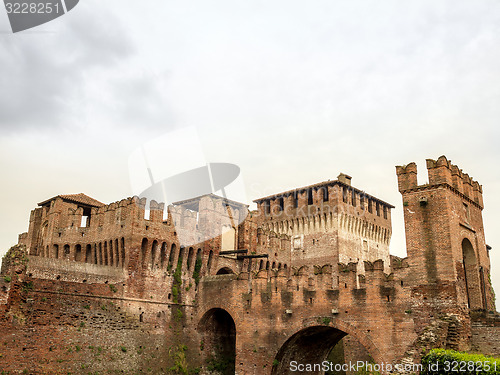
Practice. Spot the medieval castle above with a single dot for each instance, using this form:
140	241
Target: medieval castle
101	289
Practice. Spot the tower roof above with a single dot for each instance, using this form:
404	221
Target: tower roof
79	198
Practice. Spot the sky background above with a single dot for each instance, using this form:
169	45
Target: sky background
293	92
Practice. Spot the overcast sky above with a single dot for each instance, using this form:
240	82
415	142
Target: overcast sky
293	92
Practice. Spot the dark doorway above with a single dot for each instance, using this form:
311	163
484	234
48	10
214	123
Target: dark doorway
219	341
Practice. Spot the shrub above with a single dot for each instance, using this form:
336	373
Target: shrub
197	268
444	362
7	279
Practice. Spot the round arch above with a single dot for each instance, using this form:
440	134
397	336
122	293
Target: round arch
225	271
314	343
218	332
471	275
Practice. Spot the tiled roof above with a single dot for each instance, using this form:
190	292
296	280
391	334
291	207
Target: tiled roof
75	198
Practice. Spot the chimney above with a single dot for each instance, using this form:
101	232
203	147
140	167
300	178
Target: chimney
344	179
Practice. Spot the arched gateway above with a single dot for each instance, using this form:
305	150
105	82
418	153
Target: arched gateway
218	333
313	346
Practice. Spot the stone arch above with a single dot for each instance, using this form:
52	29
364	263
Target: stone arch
218	332
314	344
471	275
225	271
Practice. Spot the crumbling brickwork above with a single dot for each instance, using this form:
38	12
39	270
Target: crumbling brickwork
206	285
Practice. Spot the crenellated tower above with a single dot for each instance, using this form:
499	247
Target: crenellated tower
444	232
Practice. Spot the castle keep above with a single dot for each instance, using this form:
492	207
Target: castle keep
132	287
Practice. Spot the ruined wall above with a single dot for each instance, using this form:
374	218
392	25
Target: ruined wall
486	333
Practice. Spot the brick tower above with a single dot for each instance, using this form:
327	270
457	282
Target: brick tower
444	234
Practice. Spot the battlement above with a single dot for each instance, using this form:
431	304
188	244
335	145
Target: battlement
440	172
353	271
325	197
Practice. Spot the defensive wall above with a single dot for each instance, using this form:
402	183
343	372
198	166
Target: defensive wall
95	288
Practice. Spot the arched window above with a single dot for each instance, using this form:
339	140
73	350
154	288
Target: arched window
88	254
111	253
197	266
190	258
171	257
117	254
123	252
209	264
55	251
181	258
144	250
66	251
154	250
163	255
471	276
105	253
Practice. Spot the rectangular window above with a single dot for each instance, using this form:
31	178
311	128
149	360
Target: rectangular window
370	206
362	202
83	222
466	212
325	194
310	196
353	196
344	195
267	207
378	209
385	212
281	203
296	199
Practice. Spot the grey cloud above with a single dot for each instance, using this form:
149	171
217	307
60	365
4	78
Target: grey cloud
43	72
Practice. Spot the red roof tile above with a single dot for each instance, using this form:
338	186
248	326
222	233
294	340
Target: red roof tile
75	198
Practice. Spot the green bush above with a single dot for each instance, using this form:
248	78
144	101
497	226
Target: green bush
444	362
7	279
